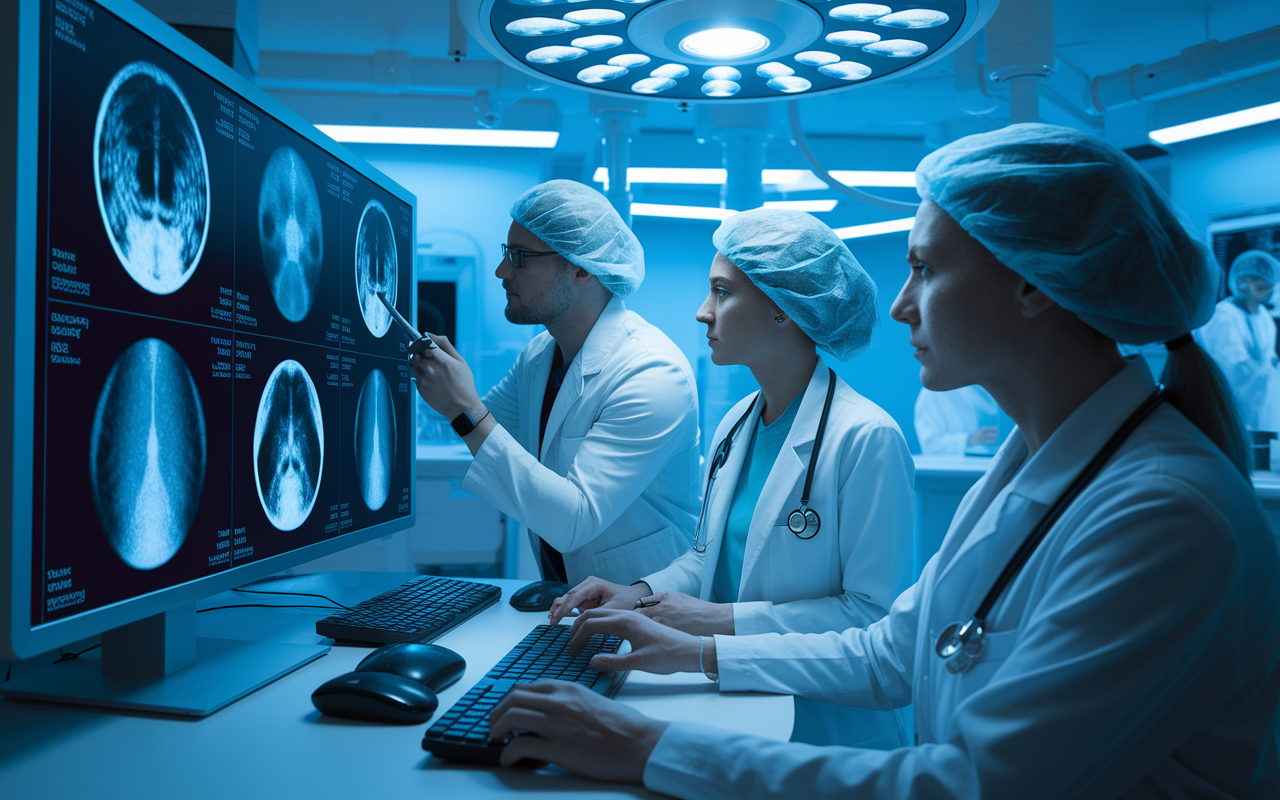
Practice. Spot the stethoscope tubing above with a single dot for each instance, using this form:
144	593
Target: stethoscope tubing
967	637
726	446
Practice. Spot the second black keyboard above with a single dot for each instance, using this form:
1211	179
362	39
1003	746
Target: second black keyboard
462	732
417	610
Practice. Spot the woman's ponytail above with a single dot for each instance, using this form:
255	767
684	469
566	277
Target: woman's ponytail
1197	389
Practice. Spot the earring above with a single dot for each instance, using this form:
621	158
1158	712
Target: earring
781	319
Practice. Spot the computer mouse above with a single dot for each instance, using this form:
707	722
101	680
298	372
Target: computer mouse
376	697
538	596
431	665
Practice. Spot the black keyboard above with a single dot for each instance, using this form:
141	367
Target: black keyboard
418	610
462	733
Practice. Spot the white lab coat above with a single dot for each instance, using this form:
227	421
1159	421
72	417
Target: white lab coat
945	420
1134	656
615	489
845	576
1244	347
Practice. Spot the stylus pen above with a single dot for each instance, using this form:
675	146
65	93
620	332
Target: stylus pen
414	337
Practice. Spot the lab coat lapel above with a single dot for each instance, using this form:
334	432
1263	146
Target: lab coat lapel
788	472
722	497
532	387
595	349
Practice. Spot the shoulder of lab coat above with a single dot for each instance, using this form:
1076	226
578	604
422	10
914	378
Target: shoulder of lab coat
1136	655
865	465
637	405
1245	358
685	574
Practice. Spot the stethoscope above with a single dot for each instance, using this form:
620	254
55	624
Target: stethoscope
962	642
804	522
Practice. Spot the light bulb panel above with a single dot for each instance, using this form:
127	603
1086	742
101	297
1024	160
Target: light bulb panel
598	45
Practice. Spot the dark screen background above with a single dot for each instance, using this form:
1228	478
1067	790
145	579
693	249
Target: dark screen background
150	397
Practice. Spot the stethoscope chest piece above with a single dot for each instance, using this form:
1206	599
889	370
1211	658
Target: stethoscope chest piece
804	522
961	644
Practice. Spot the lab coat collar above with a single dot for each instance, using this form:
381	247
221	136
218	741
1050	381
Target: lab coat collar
787	472
590	359
815	394
599	344
1001	509
1052	469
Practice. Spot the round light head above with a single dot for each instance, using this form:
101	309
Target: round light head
724	43
720	51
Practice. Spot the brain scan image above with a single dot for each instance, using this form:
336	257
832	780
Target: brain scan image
147	453
290	232
375	439
376	266
288	446
152	177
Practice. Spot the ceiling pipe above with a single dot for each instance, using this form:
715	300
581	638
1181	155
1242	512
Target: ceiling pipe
617	120
802	144
971	79
743	131
1195	66
1020	53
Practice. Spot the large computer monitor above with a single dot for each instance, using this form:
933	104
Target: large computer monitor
201	386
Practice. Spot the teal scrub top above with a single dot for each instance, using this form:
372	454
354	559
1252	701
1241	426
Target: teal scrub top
762	451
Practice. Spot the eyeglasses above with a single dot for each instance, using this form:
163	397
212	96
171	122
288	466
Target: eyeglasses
517	255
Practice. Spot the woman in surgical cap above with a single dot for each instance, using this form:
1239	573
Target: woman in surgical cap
782	287
1241	337
1102	619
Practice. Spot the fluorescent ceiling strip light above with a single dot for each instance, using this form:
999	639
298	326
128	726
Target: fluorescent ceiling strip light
680	212
666	175
849	177
458	137
875	228
1218	124
812	206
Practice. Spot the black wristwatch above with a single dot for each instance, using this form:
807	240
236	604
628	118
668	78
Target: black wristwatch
463	424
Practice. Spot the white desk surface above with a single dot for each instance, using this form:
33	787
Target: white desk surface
274	744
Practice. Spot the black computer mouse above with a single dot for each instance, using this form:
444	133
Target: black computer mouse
395	683
431	665
538	596
376	697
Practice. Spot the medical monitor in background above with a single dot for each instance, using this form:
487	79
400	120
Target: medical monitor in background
205	388
1229	238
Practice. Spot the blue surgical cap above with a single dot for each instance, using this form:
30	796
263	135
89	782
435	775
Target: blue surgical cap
1253	263
803	267
579	223
1082	222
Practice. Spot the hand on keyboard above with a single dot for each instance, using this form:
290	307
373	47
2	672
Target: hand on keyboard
654	646
577	729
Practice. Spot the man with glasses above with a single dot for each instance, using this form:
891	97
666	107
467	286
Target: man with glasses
592	439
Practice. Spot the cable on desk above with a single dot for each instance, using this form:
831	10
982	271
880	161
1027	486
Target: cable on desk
294	594
259	605
69	656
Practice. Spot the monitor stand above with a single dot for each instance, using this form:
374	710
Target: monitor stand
158	664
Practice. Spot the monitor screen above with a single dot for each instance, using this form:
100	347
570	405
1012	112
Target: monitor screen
216	383
1229	238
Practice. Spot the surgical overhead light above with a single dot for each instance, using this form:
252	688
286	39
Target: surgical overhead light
720	50
720	44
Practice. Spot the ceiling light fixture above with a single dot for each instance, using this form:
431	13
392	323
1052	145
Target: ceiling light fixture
680	212
722	51
810	206
1218	124
455	137
875	228
720	44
